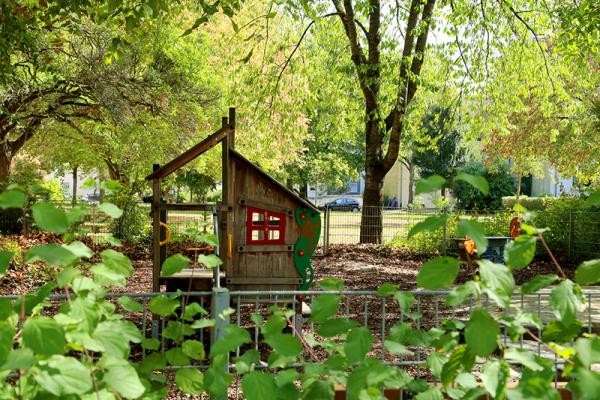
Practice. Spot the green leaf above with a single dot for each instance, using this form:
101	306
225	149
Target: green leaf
429	224
498	280
44	336
558	332
114	268
405	300
193	309
63	376
110	209
7	332
566	300
432	393
150	344
130	305
477	342
33	299
259	386
458	358
176	356
210	260
52	254
585	385
588	350
429	184
174	264
122	377
163	305
386	289
519	252
115	336
111	185
438	273
537	283
5	257
50	218
193	349
247	361
66	276
284	344
462	293
89	183
12	199
358	343
592	201
189	380
335	326
79	249
22	358
523	357
234	338
588	272
475	231
478	182
331	284
324	307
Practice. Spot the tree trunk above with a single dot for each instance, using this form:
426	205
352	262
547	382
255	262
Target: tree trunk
371	224
5	162
304	190
74	197
444	192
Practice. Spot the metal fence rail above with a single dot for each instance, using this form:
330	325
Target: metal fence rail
381	315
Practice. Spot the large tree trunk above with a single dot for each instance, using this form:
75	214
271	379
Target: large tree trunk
371	224
74	197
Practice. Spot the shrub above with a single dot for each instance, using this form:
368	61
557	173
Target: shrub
502	183
530	203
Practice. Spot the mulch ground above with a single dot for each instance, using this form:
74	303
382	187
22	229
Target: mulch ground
360	266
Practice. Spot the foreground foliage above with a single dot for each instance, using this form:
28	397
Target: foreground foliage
84	349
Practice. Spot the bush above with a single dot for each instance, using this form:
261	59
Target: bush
502	183
530	203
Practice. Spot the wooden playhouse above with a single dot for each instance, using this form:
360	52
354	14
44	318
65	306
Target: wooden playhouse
267	234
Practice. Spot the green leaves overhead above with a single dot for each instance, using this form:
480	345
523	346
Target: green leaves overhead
478	182
429	184
438	273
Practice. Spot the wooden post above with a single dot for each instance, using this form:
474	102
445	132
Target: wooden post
232	126
155	232
225	226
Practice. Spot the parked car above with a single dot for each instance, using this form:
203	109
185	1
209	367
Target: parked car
342	204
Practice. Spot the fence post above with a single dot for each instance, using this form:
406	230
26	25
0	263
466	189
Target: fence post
326	232
220	301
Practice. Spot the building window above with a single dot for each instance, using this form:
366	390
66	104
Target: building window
264	227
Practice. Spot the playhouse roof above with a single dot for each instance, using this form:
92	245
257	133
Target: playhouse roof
208	143
259	171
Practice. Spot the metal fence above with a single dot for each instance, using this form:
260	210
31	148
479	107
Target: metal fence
575	235
381	315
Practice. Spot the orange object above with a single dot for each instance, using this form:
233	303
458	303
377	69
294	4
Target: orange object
515	227
470	246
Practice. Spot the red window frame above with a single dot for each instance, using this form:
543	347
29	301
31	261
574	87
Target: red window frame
264	226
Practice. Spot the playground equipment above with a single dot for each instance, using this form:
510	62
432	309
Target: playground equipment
266	232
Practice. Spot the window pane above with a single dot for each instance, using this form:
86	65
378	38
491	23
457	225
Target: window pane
258	218
258	235
274	221
273	235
